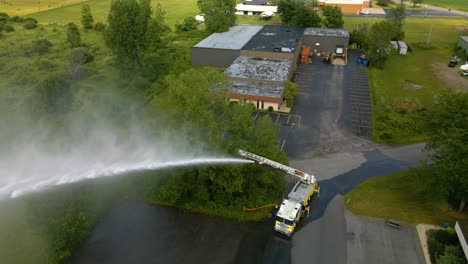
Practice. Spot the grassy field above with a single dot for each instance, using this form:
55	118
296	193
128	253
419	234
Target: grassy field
461	5
26	7
421	67
176	11
395	196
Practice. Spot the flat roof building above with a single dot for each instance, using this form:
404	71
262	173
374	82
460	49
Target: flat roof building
326	39
221	49
347	6
260	69
260	59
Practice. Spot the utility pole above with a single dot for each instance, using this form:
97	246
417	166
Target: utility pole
430	35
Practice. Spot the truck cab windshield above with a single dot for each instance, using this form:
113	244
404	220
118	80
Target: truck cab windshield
283	220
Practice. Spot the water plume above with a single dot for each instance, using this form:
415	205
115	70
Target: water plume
41	159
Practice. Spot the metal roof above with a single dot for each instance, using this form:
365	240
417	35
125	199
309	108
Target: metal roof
326	32
253	68
288	209
234	39
465	38
273	38
300	191
257	89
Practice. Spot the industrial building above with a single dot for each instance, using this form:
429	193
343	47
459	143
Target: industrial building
347	6
326	39
260	59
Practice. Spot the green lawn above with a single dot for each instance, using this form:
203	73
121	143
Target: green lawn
25	7
395	196
176	11
387	85
461	5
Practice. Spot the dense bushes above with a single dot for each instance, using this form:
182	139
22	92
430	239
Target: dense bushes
29	25
9	28
100	27
443	247
189	24
40	46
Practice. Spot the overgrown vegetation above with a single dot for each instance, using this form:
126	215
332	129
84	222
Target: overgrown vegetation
444	247
54	80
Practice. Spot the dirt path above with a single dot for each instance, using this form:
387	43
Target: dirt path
451	77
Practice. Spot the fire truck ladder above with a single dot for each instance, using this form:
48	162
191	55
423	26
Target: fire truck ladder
305	177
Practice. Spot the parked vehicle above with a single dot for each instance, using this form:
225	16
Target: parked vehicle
452	63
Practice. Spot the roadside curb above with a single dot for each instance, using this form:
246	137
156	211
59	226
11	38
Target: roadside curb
422	229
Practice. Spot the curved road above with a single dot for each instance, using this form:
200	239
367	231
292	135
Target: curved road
323	143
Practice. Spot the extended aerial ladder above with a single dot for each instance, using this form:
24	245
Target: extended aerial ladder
305	177
297	205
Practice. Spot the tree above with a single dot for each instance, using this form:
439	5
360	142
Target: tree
359	36
384	2
73	35
219	14
306	18
157	27
446	125
452	255
333	17
415	2
396	16
86	17
290	92
126	34
378	41
53	95
287	10
208	118
189	24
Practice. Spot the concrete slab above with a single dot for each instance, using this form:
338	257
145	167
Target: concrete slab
375	242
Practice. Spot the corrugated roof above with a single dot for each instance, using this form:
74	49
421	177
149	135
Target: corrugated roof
257	89
327	32
273	38
234	39
252	68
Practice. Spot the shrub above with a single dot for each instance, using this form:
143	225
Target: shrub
9	28
189	24
30	19
437	240
290	92
270	109
17	19
100	27
2	26
73	35
41	46
30	25
3	19
80	56
3	14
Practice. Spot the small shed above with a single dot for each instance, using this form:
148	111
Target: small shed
403	48
463	43
400	46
